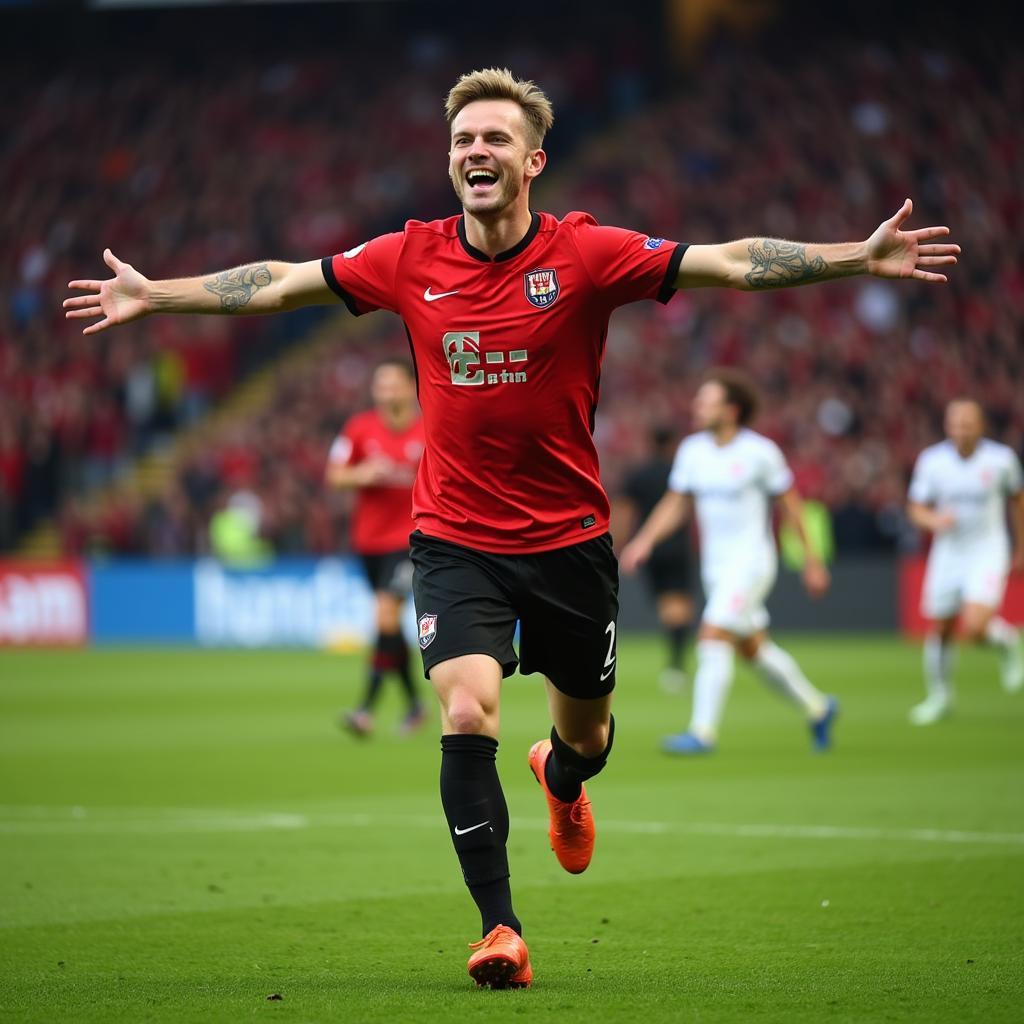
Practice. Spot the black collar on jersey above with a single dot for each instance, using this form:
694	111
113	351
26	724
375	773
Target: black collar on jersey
477	254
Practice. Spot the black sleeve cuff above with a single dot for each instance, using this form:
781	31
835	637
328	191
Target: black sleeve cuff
668	286
327	265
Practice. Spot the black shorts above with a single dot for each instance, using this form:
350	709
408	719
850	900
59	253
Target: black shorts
390	571
668	572
566	602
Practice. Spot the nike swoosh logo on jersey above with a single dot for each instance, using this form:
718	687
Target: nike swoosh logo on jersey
472	828
605	675
431	297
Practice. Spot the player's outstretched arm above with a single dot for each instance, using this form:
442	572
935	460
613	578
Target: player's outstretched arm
760	264
817	578
267	287
668	515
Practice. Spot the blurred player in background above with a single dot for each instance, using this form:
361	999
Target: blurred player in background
732	475
667	571
958	494
377	454
507	313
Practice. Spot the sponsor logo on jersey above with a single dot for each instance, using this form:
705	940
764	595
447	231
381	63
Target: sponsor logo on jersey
588	521
427	631
541	287
471	367
654	243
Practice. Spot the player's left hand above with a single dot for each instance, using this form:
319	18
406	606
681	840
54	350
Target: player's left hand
817	579
1017	564
895	253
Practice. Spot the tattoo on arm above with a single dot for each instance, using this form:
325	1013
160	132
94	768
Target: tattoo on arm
236	287
777	264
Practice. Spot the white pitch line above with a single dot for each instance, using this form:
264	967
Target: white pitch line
912	835
153	826
143	821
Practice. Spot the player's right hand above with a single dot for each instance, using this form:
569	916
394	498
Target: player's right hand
119	300
944	522
634	554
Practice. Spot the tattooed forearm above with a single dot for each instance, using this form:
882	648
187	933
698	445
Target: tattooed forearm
777	264
236	287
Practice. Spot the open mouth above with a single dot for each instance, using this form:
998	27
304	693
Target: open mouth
481	180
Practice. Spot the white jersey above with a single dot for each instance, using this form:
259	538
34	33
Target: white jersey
974	490
733	486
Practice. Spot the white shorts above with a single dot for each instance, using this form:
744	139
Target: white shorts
966	574
736	597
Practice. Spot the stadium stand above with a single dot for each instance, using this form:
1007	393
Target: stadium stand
187	162
854	375
176	177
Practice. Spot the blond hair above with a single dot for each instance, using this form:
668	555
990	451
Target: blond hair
501	84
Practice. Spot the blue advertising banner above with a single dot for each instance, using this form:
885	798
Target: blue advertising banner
315	603
141	602
291	602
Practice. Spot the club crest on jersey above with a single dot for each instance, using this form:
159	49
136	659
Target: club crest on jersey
541	287
428	630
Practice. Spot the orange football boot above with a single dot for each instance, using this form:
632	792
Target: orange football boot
572	830
501	960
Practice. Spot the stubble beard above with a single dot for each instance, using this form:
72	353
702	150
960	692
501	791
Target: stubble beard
508	193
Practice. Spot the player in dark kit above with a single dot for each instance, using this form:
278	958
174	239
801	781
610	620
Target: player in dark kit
507	312
668	570
377	453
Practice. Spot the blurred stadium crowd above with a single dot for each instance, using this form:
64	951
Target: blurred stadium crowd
854	375
184	165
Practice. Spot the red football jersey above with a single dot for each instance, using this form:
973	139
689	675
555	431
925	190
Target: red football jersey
508	362
382	517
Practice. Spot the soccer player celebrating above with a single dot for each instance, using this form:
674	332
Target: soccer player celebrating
377	453
668	568
507	313
958	494
731	475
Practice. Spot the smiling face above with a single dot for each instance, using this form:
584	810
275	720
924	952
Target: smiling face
490	162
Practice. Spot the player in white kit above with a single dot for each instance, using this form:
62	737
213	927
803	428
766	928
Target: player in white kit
732	476
958	493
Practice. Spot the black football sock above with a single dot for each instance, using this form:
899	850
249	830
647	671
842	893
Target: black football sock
566	771
390	654
478	821
676	636
382	661
373	685
411	693
394	647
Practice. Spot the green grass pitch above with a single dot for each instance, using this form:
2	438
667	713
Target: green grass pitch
184	834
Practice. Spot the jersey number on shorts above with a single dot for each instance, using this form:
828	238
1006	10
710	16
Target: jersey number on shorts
609	658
